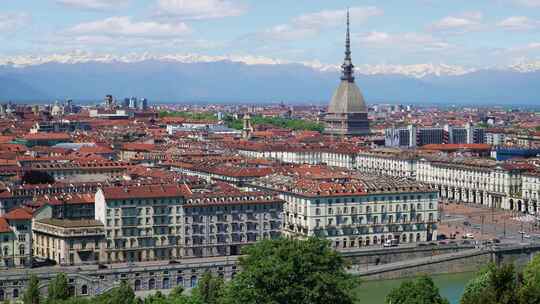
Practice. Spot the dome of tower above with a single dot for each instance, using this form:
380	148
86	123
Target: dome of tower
347	99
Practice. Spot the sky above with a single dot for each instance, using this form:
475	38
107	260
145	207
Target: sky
469	33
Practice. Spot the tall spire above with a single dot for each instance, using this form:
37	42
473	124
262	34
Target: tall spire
347	67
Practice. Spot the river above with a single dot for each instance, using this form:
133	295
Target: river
450	286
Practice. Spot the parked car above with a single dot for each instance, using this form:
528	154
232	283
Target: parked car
391	243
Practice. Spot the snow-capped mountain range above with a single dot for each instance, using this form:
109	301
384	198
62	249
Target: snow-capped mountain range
412	70
197	78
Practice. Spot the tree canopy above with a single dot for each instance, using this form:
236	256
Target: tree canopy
279	122
31	293
291	271
58	289
420	290
493	285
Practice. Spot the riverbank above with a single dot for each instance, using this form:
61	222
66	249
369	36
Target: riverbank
451	287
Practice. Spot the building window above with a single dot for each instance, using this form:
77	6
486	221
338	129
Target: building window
21	250
151	284
84	290
15	293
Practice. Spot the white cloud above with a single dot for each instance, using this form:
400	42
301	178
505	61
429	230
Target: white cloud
199	9
11	22
518	23
406	41
466	22
310	25
93	4
528	3
125	27
336	18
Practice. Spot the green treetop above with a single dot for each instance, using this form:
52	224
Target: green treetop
292	272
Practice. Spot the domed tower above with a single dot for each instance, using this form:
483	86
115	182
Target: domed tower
347	113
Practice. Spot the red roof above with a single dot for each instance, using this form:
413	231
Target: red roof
147	191
4	225
19	214
95	149
138	147
47	136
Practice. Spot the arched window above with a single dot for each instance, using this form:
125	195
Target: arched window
137	285
15	293
151	284
1	295
193	281
21	249
84	290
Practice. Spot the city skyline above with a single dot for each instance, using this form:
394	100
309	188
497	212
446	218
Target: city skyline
467	35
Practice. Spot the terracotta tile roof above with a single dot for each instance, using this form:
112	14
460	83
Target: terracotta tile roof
96	150
47	136
4	225
20	213
6	139
138	147
146	191
67	223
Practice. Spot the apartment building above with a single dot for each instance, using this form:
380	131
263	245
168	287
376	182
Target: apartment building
531	190
69	242
16	238
477	181
355	211
167	222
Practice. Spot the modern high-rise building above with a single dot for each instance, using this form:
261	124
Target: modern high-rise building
412	136
347	114
133	102
143	104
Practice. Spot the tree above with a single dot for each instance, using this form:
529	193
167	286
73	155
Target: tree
31	294
293	272
529	292
209	289
421	290
58	289
493	285
177	292
37	177
473	292
123	294
157	298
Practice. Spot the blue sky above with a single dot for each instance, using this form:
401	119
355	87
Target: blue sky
470	33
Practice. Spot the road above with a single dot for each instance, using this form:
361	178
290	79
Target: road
486	223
